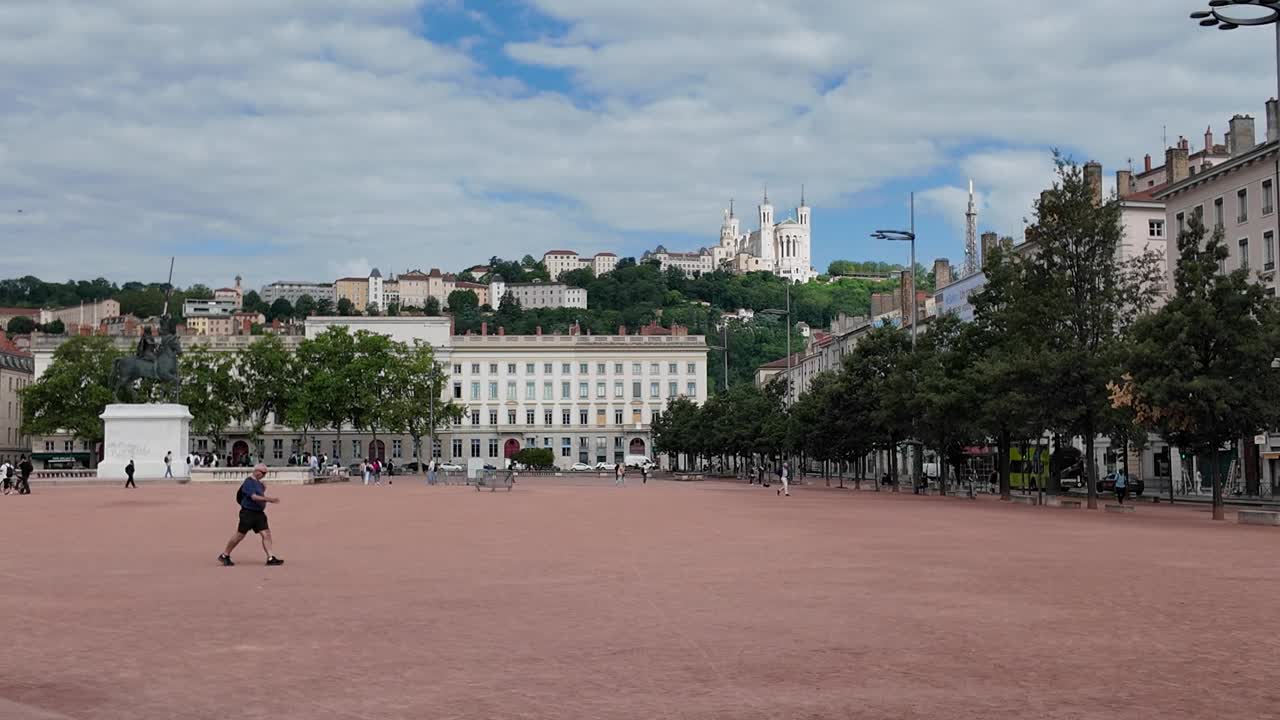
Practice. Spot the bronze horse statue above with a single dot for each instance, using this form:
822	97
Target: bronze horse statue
164	367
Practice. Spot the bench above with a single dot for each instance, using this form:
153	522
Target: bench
493	481
1111	508
1069	504
1025	499
1258	517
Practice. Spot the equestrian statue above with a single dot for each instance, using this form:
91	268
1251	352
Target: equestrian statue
156	359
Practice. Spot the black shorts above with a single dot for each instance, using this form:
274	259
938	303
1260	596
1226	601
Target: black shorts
255	520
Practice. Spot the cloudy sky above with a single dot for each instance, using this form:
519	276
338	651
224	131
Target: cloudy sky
311	138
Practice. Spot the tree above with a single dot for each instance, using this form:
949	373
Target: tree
370	379
211	391
322	395
415	405
54	327
536	457
324	307
305	307
1200	367
371	310
345	307
461	301
266	371
1089	297
281	309
73	392
942	400
253	302
873	370
432	308
21	325
393	310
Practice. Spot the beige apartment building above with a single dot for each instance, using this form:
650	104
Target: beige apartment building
17	371
355	289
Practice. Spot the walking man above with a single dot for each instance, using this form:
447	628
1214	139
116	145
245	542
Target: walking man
431	473
24	476
1122	486
619	474
644	474
128	474
783	472
168	465
253	499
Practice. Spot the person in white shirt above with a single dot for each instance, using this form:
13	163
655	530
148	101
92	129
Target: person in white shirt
6	476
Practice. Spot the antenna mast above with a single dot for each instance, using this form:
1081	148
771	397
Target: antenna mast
970	237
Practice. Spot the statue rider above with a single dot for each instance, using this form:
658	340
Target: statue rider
148	345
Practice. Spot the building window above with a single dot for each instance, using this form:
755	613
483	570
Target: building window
693	389
475	417
673	389
582	417
1242	205
493	447
455	448
584	391
566	417
635	390
277	448
635	416
566	446
565	392
511	391
653	389
1244	253
1155	228
600	390
528	417
583	368
1217	213
599	368
653	368
475	368
530	391
475	447
548	391
493	391
546	368
1268	199
511	417
475	391
493	417
693	368
635	368
355	448
564	368
618	391
582	449
511	368
395	448
457	368
1268	250
547	417
457	391
493	368
671	368
617	368
601	416
435	448
617	417
1182	223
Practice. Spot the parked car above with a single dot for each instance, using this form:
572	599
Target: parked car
604	466
450	467
637	462
580	467
1108	484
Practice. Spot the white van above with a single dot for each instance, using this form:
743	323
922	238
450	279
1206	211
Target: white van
638	461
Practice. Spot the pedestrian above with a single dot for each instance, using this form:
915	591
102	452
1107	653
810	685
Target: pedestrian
431	472
619	474
644	474
128	473
783	471
1122	486
364	470
168	464
252	498
24	476
6	477
190	462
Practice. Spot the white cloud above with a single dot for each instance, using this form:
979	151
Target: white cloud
322	134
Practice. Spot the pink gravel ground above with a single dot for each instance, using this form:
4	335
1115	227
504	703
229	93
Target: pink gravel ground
699	600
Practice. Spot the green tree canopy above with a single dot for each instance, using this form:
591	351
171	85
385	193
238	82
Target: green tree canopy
73	392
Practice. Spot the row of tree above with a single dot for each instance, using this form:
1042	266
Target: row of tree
333	381
1068	340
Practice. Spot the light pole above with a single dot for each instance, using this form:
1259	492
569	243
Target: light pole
909	236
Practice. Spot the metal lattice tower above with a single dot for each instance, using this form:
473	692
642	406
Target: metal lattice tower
970	237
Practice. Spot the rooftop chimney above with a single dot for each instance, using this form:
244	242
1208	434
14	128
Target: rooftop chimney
1124	183
484	328
1147	163
989	240
537	330
1093	176
1208	140
502	330
1273	120
941	272
1175	165
622	329
1242	138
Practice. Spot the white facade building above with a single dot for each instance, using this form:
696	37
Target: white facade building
537	294
292	290
559	262
693	263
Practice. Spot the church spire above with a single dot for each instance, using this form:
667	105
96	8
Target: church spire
730	208
766	193
801	194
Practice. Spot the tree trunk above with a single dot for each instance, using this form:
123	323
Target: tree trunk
1219	512
942	469
1003	446
893	464
1089	475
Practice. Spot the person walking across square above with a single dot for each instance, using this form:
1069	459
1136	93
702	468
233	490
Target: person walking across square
168	465
620	474
6	477
128	474
24	476
1122	486
783	472
253	498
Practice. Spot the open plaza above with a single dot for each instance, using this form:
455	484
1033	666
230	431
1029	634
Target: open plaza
572	598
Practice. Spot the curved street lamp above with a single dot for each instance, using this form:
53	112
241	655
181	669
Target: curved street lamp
910	236
1234	14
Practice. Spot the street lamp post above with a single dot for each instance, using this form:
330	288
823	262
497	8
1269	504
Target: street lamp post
908	236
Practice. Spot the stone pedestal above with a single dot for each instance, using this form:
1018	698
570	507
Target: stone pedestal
144	433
